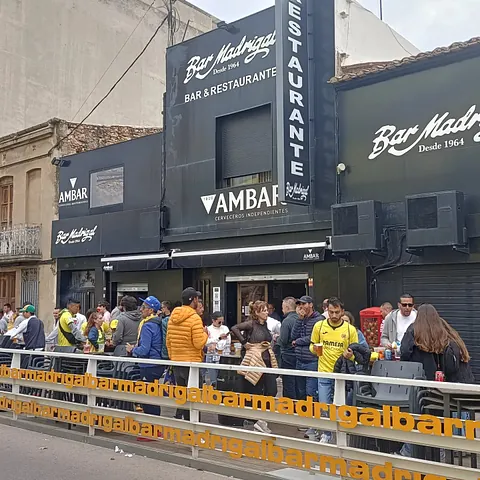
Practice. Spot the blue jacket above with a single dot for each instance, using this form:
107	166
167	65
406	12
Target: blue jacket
302	334
150	341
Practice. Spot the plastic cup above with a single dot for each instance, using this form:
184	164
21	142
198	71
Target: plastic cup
318	347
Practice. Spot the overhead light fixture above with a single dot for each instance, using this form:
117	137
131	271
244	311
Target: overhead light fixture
60	162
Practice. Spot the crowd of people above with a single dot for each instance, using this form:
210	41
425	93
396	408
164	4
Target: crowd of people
301	339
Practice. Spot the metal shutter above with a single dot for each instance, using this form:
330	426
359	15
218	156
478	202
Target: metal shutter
454	290
245	142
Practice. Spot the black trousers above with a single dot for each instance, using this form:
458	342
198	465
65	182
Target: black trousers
181	379
150	374
267	386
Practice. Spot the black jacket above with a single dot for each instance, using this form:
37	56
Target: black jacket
34	335
448	362
302	334
286	330
361	354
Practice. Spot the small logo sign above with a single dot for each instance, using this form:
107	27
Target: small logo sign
311	256
208	202
73	182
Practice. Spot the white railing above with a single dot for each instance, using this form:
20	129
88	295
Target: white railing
340	450
20	241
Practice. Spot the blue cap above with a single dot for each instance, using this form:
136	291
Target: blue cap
152	302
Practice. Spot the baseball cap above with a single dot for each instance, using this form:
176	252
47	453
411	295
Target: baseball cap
305	299
28	308
152	302
189	294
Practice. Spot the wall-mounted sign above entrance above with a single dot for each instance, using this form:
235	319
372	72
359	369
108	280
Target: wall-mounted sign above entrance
443	131
293	108
229	57
75	195
76	235
244	203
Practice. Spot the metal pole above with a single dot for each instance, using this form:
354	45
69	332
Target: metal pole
381	9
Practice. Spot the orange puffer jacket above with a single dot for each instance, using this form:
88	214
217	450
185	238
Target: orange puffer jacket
185	335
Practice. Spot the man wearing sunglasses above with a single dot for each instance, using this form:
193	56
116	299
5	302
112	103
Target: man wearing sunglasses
397	321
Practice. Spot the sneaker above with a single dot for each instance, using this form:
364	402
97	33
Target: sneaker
324	438
262	426
309	433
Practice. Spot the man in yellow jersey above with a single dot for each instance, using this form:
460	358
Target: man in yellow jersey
336	336
69	334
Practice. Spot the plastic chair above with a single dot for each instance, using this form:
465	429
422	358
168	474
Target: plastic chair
378	394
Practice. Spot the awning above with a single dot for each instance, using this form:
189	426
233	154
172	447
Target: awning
258	255
137	263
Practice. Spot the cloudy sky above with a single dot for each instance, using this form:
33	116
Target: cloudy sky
426	23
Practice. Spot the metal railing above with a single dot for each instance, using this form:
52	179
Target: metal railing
20	241
339	450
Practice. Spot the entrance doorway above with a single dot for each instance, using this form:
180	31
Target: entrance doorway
241	293
249	292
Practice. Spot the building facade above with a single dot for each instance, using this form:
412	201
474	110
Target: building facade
409	139
29	203
222	226
58	58
114	208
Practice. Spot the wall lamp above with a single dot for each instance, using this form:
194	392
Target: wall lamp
60	162
342	168
230	28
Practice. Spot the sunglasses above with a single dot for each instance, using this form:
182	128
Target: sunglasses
406	304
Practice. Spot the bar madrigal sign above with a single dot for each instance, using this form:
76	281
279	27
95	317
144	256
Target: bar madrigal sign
293	118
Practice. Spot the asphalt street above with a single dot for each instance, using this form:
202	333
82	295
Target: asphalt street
26	455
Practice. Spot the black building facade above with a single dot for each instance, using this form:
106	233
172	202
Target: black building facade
409	138
228	233
109	204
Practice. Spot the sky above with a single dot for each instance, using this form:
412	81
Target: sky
425	23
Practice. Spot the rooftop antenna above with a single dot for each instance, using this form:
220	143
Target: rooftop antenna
381	9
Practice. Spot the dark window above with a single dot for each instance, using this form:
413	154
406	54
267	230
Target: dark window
106	187
345	220
244	152
263	177
422	213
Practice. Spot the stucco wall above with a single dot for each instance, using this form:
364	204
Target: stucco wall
53	52
361	37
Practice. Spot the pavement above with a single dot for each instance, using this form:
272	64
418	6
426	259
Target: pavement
26	455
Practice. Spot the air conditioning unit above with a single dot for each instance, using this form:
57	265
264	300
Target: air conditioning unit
436	219
357	226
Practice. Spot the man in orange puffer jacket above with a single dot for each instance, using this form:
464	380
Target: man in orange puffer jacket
186	339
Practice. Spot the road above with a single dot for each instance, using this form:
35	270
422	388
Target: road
26	455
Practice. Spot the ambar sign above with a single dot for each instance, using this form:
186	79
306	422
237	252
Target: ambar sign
74	196
247	203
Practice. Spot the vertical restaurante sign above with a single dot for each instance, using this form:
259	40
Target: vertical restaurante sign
293	118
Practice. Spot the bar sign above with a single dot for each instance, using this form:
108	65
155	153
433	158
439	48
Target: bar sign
293	142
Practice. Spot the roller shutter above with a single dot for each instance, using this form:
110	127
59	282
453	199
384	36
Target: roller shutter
454	290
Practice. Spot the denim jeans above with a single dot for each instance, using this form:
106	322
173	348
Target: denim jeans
326	390
307	386
150	374
290	382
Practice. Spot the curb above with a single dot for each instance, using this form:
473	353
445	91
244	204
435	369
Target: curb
176	459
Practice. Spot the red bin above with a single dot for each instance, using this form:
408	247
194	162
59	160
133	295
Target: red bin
370	323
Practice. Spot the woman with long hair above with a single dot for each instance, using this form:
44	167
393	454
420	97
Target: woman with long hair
94	332
435	344
257	351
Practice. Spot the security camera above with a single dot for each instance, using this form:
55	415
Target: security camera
341	167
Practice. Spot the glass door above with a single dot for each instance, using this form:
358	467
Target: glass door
249	292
